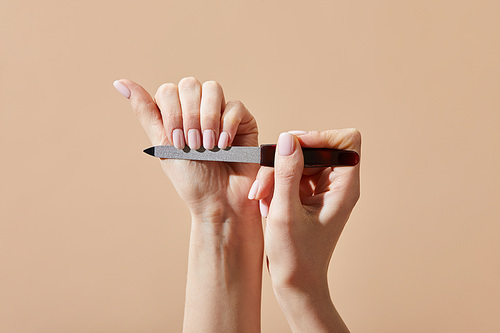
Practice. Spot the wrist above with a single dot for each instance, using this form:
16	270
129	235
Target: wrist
309	309
227	251
224	229
303	277
310	292
223	213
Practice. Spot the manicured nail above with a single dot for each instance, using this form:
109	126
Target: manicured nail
286	144
253	190
194	139
208	139
297	133
223	140
122	88
178	138
264	209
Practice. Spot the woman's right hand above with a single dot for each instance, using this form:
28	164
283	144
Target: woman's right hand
306	212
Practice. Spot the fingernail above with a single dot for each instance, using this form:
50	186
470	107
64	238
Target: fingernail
286	144
122	88
264	209
223	140
298	132
208	139
194	139
178	138
253	190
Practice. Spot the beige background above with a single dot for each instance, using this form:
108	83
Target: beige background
92	235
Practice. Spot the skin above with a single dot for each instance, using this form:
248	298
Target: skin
306	211
226	243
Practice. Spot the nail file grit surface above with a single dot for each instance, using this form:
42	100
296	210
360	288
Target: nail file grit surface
264	155
231	154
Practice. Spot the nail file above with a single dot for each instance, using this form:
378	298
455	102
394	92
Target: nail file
263	155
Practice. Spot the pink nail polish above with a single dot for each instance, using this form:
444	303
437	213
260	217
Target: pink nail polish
122	88
178	138
253	190
208	139
286	144
264	209
297	133
223	140
194	139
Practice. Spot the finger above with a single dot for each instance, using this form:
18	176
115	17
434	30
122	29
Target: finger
307	186
212	100
307	171
145	108
167	99
343	183
263	185
344	186
190	97
312	171
319	182
288	167
349	138
264	210
238	126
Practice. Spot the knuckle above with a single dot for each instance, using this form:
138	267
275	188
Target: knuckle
235	104
191	115
209	113
189	83
165	89
143	109
171	118
315	133
158	131
265	174
211	104
354	136
346	138
230	124
285	176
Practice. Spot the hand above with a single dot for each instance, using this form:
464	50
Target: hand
226	244
306	212
196	114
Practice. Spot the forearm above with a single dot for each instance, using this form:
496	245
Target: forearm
223	290
309	310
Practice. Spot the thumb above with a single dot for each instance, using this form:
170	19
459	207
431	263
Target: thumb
145	108
288	167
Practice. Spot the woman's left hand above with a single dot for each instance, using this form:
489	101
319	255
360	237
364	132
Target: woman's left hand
194	114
